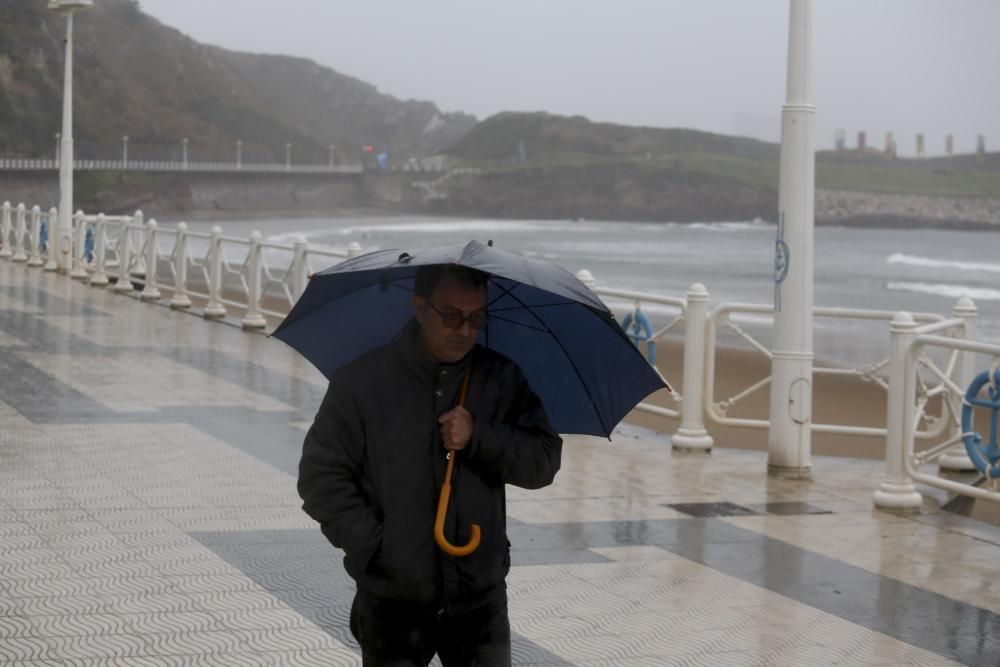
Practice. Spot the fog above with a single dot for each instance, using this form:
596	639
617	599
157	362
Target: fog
905	66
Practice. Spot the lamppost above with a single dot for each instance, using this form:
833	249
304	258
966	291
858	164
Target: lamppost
62	240
790	435
125	152
58	141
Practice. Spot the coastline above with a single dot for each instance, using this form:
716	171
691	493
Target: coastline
251	215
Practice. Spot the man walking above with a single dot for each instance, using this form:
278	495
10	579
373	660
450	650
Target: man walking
374	461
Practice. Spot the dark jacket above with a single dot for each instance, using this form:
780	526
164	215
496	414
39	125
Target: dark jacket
373	465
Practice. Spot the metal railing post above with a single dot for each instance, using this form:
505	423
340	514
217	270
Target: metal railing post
124	283
956	458
692	435
99	278
896	492
5	250
19	232
51	264
300	272
180	298
253	318
77	259
36	233
214	307
150	292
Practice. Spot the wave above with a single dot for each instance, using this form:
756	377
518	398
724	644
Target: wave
944	289
752	225
929	262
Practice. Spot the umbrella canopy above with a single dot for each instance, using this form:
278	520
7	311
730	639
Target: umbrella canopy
583	367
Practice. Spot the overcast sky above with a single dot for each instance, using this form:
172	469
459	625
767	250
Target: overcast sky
906	66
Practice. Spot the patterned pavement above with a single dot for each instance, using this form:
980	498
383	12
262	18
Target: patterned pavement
148	516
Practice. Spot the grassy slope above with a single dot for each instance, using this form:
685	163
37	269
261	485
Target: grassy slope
554	141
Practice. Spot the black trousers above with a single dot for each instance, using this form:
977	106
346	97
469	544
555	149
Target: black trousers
404	634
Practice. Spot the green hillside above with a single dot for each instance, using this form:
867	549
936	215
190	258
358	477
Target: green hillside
137	77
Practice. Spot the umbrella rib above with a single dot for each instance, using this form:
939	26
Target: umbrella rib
572	363
520	324
540	305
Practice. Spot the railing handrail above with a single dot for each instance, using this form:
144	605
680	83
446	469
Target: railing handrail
253	284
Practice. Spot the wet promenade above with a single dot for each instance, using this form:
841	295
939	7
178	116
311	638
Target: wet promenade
148	517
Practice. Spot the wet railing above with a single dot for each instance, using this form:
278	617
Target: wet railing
913	378
263	280
19	164
131	255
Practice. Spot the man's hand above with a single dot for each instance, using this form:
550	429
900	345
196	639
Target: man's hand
456	428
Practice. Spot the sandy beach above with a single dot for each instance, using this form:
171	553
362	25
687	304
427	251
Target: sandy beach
837	399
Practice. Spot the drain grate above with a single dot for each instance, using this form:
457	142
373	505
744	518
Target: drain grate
712	509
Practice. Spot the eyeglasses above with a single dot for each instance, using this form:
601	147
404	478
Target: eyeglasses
453	319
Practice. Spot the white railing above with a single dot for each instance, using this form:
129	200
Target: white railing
264	280
131	255
723	317
18	164
909	369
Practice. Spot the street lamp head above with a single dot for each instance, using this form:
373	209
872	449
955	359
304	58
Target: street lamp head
69	5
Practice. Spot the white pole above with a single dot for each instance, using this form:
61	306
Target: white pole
239	154
99	278
956	458
897	491
333	151
300	273
5	229
215	307
79	269
150	291
253	319
184	153
36	232
692	435
789	439
50	229
124	283
288	157
180	299
125	152
20	230
61	239
353	249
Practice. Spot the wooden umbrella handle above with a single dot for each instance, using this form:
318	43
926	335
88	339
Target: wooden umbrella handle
442	509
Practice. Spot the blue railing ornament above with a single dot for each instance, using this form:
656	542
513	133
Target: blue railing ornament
781	259
640	330
986	458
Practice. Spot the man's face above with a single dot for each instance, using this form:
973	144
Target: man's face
449	298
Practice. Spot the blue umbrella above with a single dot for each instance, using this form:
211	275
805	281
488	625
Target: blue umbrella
575	356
